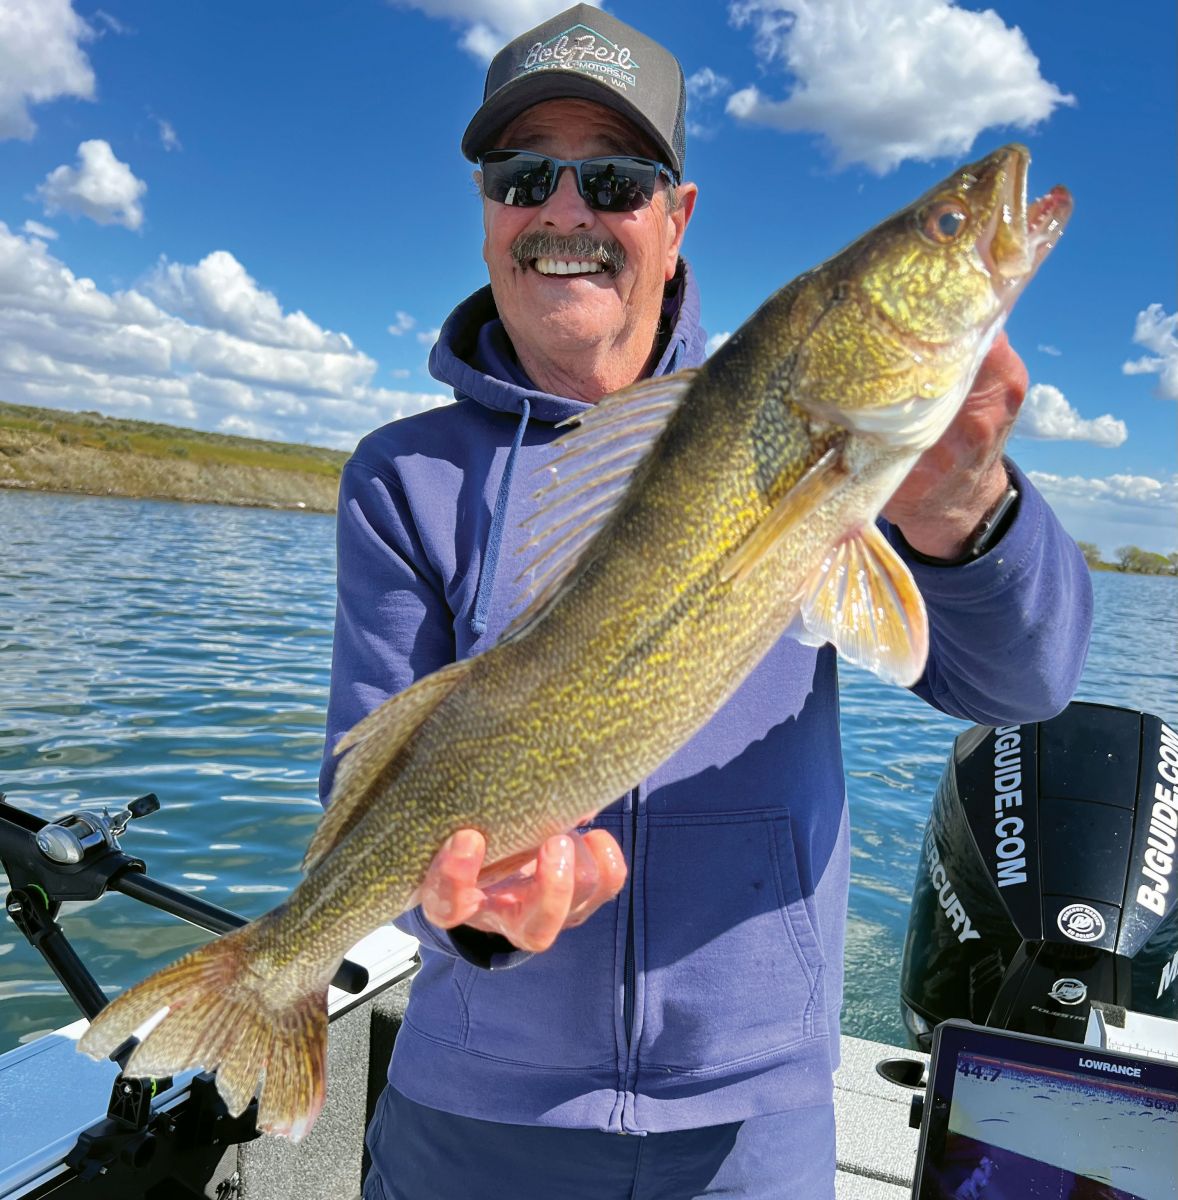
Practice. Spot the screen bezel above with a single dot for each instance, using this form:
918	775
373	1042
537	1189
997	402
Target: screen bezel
953	1037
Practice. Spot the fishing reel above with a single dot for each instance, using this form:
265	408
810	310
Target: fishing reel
69	839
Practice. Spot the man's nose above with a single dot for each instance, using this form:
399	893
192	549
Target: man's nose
565	210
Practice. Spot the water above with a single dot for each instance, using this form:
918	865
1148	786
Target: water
186	649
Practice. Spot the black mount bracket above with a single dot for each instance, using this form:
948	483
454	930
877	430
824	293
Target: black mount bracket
78	857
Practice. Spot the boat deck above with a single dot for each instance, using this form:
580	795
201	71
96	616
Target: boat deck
41	1115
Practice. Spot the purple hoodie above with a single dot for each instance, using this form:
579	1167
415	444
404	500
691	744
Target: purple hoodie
709	990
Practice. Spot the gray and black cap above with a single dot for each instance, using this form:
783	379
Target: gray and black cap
584	53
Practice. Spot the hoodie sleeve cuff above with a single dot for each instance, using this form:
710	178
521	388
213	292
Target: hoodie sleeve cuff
489	951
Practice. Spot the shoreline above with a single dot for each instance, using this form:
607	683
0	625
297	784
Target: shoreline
50	450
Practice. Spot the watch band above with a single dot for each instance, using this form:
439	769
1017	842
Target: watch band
987	534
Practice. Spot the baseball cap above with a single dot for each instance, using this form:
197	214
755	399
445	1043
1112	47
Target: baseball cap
584	53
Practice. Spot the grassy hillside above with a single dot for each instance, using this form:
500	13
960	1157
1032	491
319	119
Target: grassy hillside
46	449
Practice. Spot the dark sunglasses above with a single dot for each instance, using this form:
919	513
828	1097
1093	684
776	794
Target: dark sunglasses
612	183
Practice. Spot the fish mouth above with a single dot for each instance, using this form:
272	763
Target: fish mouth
1019	236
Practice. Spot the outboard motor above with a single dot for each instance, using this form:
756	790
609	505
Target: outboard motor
1047	877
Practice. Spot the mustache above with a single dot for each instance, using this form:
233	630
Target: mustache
530	246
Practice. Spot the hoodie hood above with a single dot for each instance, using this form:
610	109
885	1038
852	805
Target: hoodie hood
474	355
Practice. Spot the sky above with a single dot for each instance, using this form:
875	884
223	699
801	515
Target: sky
253	217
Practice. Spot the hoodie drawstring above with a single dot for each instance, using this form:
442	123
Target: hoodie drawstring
482	600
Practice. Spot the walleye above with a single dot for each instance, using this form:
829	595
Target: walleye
688	523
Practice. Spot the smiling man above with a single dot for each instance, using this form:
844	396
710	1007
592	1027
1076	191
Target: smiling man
674	971
579	288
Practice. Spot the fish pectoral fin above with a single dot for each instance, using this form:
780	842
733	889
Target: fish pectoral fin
793	507
368	748
865	601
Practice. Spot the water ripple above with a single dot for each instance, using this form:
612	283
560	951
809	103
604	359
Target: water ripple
185	649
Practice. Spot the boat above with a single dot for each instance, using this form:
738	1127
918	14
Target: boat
1033	829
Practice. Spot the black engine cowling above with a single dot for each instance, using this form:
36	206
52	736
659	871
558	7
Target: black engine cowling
1047	877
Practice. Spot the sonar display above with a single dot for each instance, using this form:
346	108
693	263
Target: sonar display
1019	1132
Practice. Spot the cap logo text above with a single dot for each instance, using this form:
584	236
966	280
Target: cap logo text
583	49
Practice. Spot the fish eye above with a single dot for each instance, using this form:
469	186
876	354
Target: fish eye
942	221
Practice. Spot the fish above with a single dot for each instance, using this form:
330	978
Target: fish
683	526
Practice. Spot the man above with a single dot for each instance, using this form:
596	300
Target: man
675	970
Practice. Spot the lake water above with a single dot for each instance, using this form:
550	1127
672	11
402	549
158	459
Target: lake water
185	650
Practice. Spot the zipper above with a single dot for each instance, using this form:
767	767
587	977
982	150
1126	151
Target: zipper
628	980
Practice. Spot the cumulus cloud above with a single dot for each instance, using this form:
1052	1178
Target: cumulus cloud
219	293
402	323
41	59
1154	501
202	344
427	337
703	87
36	229
1137	509
883	81
716	341
99	187
705	84
1054	351
1157	331
1047	415
487	25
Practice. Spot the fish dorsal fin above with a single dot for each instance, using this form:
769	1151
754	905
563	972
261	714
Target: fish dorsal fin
368	748
865	601
814	487
596	461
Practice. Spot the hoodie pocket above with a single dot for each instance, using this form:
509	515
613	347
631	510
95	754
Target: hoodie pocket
731	965
555	1009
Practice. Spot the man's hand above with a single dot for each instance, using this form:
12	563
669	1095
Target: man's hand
562	885
959	479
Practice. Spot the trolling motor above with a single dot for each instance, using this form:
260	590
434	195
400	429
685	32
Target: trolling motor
1047	877
78	857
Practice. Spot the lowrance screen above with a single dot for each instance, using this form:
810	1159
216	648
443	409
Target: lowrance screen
1013	1116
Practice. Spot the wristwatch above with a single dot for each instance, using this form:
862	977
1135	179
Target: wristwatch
987	534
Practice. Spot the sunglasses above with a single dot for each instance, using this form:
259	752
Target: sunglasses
613	183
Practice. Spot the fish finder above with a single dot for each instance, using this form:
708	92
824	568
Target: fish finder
1010	1114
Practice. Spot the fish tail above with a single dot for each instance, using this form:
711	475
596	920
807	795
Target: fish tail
223	1015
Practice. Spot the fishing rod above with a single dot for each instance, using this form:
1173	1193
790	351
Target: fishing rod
78	857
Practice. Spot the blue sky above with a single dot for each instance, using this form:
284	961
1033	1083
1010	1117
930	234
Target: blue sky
252	217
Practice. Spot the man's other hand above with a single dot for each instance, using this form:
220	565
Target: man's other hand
956	481
561	885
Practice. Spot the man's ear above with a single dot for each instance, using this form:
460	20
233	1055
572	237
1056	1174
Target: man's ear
477	176
679	219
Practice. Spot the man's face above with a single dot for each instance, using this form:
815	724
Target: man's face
565	315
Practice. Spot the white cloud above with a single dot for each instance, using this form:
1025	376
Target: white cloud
1157	330
169	139
888	80
487	25
427	337
1047	415
482	41
36	229
716	341
1134	490
99	187
705	84
402	323
1054	351
112	23
1119	509
203	345
41	59
218	293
